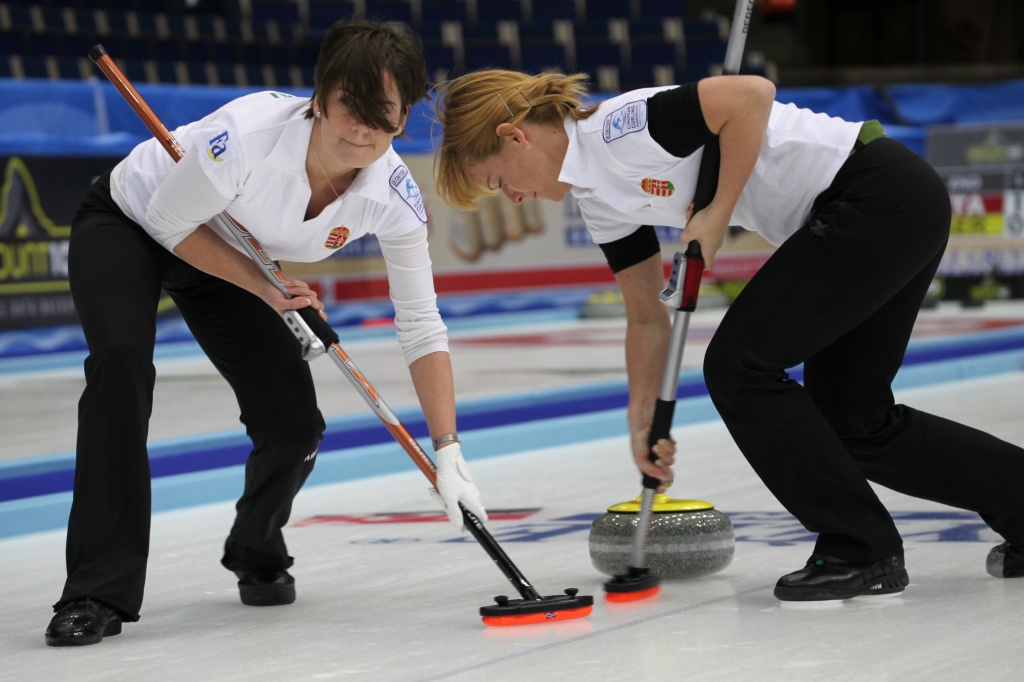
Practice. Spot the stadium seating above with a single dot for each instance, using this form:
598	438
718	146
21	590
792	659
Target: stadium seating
273	43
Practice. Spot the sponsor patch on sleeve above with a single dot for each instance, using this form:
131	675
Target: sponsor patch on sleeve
403	183
629	118
220	147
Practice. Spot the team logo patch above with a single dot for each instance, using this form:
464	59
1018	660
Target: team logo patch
659	188
401	181
337	238
625	120
217	146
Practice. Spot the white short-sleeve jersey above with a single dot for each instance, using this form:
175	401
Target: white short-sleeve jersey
248	159
623	178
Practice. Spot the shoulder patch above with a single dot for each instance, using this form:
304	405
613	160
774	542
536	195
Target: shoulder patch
629	118
220	147
402	182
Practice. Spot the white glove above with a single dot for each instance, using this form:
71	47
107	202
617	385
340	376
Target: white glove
455	485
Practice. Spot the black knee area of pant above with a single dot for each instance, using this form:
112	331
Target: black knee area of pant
728	376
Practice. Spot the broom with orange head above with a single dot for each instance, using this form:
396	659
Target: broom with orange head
316	338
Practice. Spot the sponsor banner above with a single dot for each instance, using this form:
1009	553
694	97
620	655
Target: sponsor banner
38	197
983	168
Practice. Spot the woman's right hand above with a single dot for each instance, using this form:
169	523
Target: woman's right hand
665	452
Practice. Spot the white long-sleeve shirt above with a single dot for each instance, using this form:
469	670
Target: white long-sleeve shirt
248	159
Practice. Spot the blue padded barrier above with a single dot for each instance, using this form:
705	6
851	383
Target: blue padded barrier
43	117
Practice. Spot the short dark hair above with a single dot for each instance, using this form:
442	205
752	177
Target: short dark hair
355	55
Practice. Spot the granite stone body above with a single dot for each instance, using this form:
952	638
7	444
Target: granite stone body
682	544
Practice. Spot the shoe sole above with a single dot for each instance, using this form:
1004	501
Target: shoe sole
112	628
253	595
889	584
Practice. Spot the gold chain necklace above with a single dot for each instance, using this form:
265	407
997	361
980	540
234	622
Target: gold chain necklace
316	156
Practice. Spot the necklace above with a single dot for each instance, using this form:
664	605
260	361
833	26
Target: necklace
317	157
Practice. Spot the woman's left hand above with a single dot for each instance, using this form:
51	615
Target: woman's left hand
302	296
708	230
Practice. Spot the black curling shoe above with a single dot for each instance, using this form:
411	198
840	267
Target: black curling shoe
1006	561
826	578
266	587
83	622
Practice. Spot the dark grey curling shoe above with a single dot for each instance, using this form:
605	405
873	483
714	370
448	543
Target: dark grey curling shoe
82	622
1006	561
827	578
266	587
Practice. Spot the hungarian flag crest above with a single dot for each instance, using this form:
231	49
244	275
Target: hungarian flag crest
659	188
337	238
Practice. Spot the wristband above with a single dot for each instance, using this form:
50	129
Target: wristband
446	438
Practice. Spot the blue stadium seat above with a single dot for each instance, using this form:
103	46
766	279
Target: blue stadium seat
279	54
537	57
549	10
492	11
235	29
649	53
134	69
176	25
691	74
195	51
7	67
206	26
395	10
147	23
13	41
282	76
167	49
132	49
76	45
167	72
253	74
42	44
21	17
53	18
224	51
432	31
637	76
607	9
705	29
35	66
591	54
303	55
248	53
647	28
487	55
661	8
70	68
324	13
537	31
117	23
444	10
196	73
703	53
591	28
438	57
226	73
85	20
275	10
305	74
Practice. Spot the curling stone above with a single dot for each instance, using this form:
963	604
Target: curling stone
687	538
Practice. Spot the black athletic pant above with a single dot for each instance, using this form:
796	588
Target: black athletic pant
116	274
841	296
